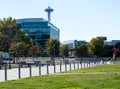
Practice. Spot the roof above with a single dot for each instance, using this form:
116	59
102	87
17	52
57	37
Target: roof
31	20
35	20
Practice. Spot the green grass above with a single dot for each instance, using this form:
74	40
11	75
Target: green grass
100	77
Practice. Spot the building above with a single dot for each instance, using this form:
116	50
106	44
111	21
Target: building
72	44
82	42
112	42
38	29
103	38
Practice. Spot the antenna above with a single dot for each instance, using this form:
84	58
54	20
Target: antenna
49	10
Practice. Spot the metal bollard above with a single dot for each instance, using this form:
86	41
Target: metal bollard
84	64
19	71
87	64
54	68
92	64
65	66
70	65
74	65
30	70
78	65
39	68
81	64
60	67
5	72
47	68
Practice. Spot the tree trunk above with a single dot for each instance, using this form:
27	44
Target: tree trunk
53	60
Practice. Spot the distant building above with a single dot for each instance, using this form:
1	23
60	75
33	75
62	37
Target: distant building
38	29
111	43
82	42
72	44
103	37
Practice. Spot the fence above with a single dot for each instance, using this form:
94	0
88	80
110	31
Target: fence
30	69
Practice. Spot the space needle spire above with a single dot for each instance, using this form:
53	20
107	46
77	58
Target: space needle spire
49	10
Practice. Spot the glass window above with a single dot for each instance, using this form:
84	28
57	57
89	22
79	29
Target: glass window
39	37
45	36
33	37
45	30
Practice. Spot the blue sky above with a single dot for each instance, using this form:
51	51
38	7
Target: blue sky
77	19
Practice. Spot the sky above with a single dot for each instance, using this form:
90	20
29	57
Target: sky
76	19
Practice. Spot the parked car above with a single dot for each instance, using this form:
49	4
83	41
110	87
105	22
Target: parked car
5	56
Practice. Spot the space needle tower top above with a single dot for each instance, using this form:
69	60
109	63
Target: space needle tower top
49	10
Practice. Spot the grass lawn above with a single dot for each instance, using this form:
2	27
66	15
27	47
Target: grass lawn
100	77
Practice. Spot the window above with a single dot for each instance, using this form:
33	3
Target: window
45	36
45	30
33	37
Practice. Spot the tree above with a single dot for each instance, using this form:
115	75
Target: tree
3	42
8	29
117	49
18	48
81	51
23	37
10	33
96	47
108	51
35	50
52	48
65	51
117	45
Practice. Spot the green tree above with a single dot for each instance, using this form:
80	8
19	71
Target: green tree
10	33
96	47
117	45
18	48
3	42
23	37
81	51
8	29
52	48
116	49
65	51
108	52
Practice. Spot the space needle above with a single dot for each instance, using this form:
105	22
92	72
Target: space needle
49	10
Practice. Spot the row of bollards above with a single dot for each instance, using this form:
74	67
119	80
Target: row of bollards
72	66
